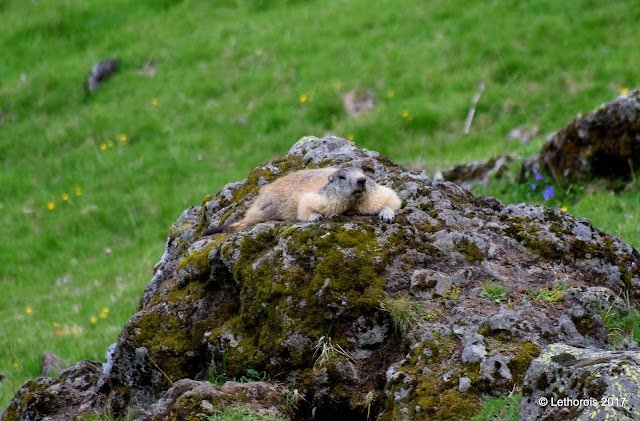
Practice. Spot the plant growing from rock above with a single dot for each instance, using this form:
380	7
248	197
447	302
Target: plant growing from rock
621	327
499	408
406	312
327	352
494	292
549	294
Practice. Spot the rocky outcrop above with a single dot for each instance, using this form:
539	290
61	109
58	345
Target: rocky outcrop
416	319
187	399
474	173
55	399
604	143
575	383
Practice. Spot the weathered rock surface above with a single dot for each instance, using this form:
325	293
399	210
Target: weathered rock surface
474	173
583	384
604	143
55	399
51	364
191	400
302	302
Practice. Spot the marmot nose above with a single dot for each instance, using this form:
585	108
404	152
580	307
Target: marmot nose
361	181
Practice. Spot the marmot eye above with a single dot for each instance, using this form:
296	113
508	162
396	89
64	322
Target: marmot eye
341	177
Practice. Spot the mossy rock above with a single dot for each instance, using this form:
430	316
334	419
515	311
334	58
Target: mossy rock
302	302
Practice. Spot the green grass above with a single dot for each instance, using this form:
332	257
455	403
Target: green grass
499	409
227	81
621	327
406	312
242	413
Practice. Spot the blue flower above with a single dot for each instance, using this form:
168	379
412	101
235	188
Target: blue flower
539	176
533	187
548	193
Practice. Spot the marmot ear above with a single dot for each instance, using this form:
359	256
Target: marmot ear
332	177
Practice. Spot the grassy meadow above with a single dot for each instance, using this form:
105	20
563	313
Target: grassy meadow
91	183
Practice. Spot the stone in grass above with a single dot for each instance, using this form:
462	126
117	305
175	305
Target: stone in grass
100	72
604	143
51	364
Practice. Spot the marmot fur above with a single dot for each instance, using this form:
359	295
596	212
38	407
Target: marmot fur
309	195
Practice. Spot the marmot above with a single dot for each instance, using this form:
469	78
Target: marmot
309	195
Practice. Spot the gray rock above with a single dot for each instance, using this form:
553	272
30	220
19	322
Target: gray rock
56	399
187	398
502	320
583	384
435	284
495	370
51	364
474	350
464	384
474	173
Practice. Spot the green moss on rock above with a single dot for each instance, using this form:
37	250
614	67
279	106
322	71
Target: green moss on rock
469	249
426	384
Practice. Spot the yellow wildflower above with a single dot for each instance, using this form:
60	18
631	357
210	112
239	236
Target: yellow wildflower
14	364
564	209
390	93
122	138
350	137
105	310
78	190
28	310
51	205
405	114
103	146
154	101
56	324
624	91
93	320
110	143
65	196
303	98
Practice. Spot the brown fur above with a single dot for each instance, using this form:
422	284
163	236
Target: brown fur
309	195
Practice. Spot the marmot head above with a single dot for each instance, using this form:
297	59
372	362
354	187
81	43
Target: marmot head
348	182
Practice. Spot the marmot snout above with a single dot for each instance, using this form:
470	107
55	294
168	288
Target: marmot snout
310	195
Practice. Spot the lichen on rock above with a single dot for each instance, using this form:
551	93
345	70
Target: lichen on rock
574	383
303	302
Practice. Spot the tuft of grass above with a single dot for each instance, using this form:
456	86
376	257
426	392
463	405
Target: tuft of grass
493	292
406	312
505	408
621	327
326	353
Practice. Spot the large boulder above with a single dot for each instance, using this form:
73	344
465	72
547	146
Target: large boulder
354	317
604	143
